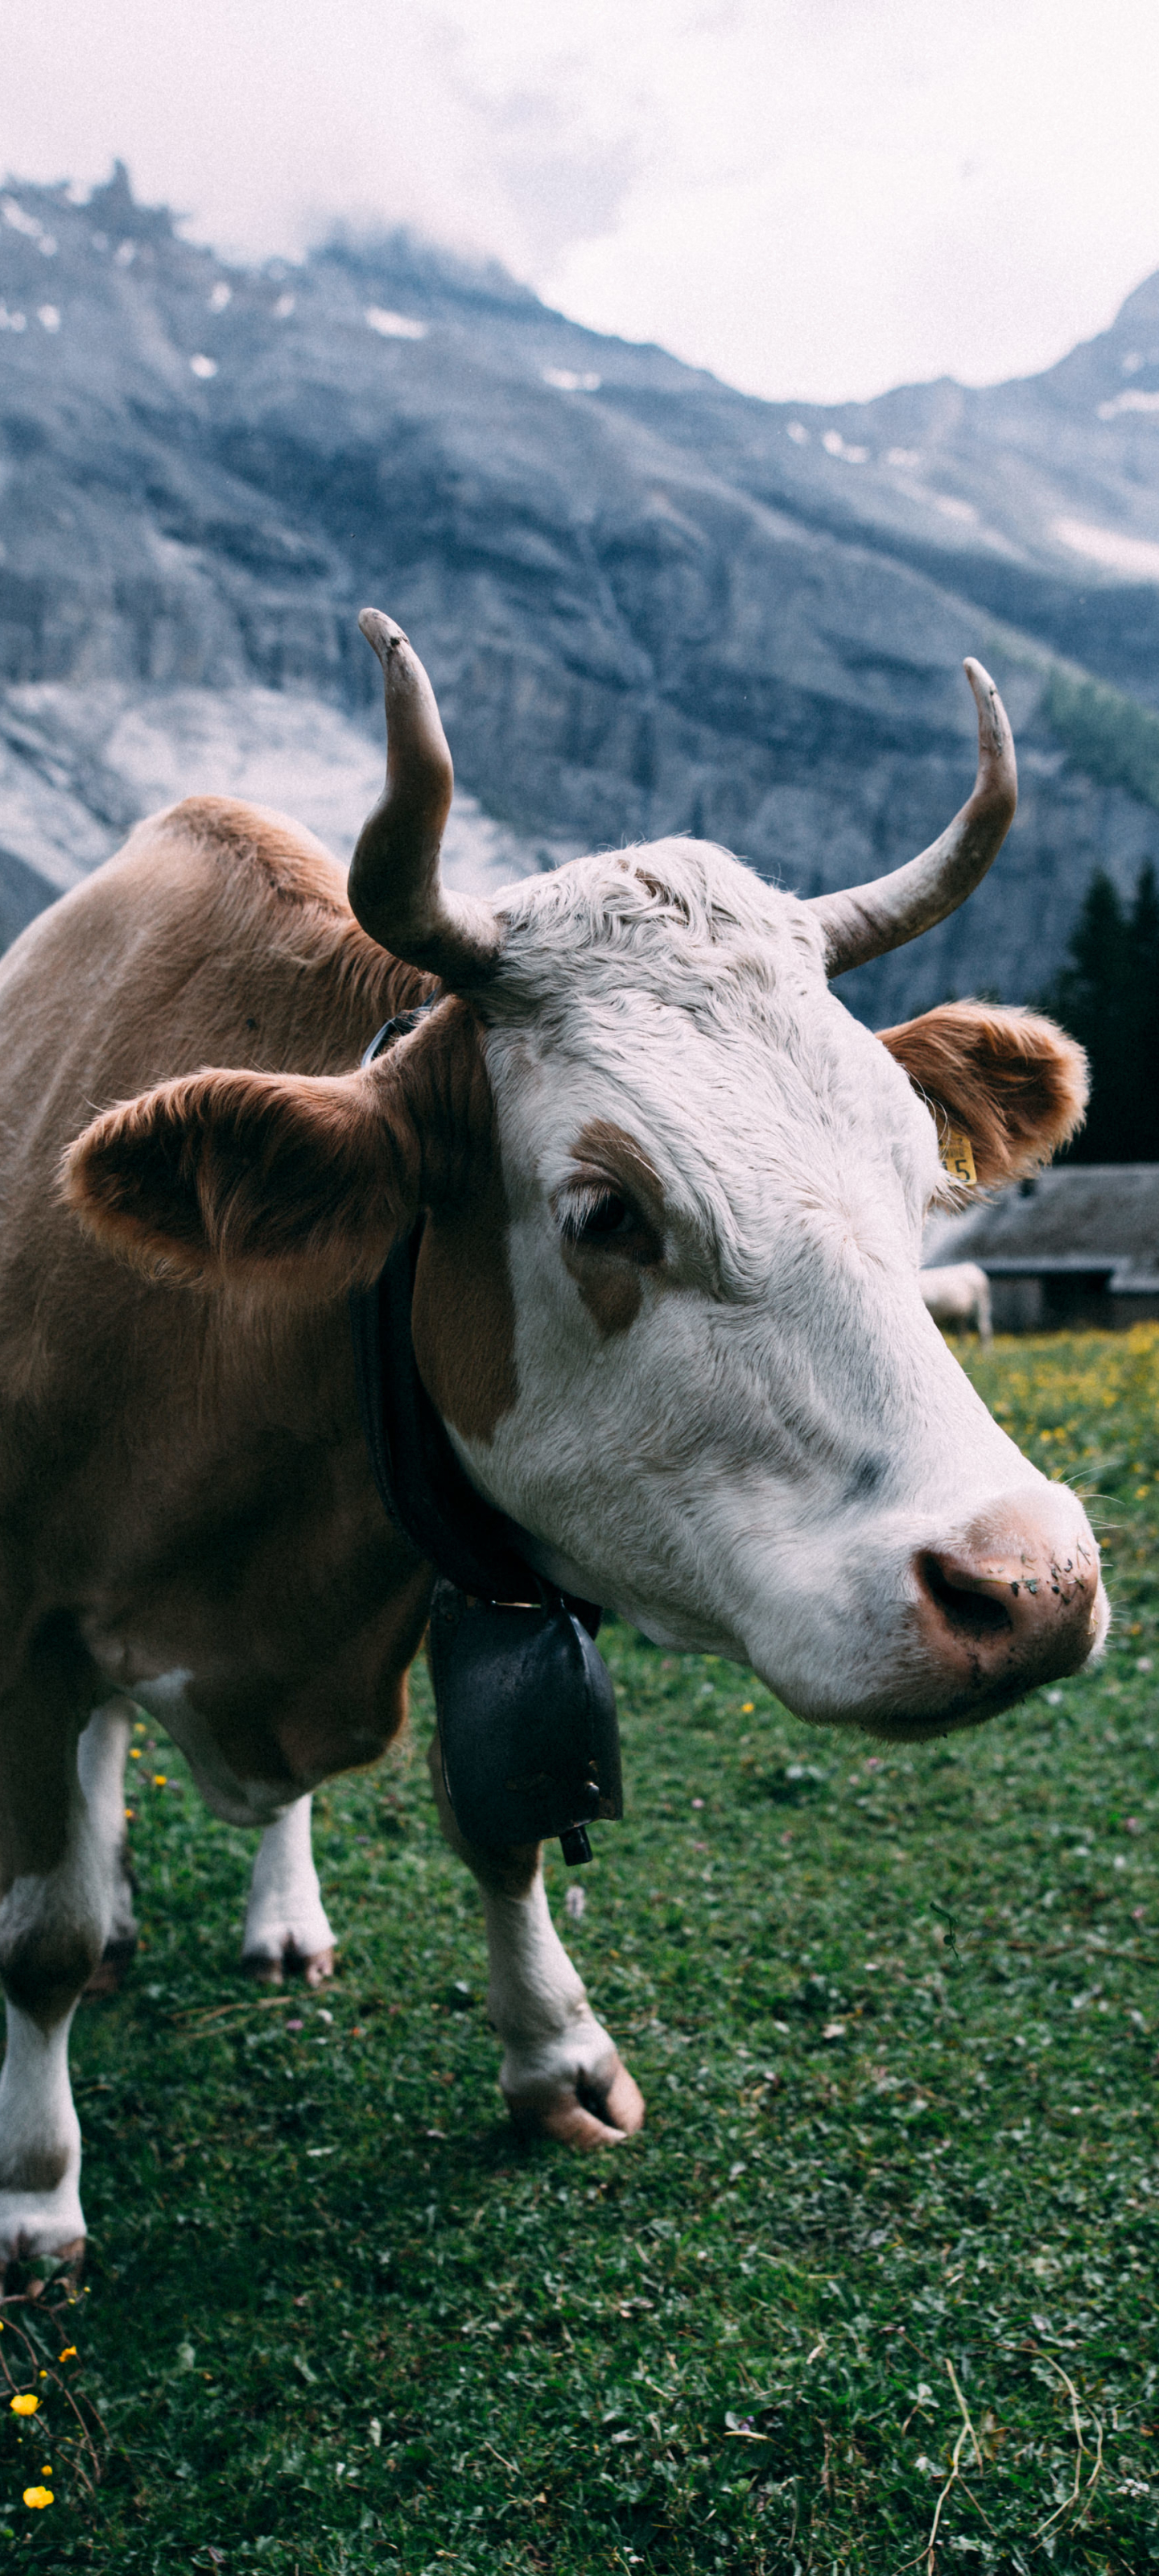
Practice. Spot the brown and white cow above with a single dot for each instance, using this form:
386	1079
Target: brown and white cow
667	1305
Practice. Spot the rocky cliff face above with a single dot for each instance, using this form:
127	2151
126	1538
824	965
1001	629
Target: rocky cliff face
649	604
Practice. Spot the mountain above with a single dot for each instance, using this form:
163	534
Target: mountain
648	603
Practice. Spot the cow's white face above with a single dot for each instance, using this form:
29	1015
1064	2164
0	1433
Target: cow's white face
732	1417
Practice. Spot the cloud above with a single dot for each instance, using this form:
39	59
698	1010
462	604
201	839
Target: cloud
856	196
816	198
265	123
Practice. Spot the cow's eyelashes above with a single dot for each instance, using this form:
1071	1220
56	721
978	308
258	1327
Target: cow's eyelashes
597	1216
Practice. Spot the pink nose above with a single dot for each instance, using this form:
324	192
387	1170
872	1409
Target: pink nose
1014	1599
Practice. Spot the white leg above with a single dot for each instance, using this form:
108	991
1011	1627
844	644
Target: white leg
560	2068
54	1922
561	2072
101	1757
40	2211
285	1924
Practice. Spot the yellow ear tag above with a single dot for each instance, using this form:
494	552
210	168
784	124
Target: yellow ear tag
957	1157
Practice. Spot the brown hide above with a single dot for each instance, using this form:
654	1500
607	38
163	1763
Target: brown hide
182	1474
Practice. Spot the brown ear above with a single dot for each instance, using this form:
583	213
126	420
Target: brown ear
1009	1080
301	1182
229	1174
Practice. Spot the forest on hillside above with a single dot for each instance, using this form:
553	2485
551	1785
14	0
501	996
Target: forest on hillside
1107	995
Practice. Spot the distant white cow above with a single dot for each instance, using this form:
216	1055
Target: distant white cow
959	1295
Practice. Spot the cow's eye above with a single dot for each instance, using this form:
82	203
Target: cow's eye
594	1216
597	1216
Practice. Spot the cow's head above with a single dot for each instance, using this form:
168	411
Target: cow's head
667	1302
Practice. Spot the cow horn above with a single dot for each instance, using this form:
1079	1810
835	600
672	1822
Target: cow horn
867	921
395	888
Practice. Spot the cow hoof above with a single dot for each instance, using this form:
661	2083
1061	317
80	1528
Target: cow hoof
112	1967
271	1969
42	2236
585	2114
29	2275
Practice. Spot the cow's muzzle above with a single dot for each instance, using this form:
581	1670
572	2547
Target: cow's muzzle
1011	1601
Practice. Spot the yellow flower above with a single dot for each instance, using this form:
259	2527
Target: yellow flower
134	1753
25	2405
69	2353
747	1707
38	2497
159	1779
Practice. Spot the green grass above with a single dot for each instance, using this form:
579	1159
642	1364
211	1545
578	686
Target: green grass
895	2015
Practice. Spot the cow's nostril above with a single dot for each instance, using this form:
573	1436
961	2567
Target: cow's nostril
973	1614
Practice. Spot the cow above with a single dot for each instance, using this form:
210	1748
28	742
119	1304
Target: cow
666	1196
959	1295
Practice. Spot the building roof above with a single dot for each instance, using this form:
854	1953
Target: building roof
1080	1217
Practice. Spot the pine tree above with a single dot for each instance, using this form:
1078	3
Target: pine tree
1107	995
1142	1018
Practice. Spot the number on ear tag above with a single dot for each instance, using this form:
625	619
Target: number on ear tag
957	1157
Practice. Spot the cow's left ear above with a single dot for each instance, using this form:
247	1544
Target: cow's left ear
295	1184
298	1182
1009	1080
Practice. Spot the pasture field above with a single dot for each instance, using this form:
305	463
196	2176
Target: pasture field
875	2290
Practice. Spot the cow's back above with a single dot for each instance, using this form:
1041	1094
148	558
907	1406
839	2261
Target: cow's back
220	934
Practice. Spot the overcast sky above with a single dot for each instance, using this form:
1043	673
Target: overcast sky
816	198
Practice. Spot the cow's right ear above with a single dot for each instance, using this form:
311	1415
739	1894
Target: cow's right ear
1007	1079
298	1181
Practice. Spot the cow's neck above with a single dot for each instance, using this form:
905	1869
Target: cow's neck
434	1340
